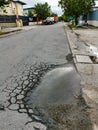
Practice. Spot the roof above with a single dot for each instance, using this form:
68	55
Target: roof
28	8
18	1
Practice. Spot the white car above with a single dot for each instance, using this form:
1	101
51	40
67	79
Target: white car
49	20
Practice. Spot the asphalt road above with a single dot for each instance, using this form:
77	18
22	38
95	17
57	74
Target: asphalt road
29	61
42	44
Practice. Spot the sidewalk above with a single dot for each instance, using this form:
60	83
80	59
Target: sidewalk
9	31
81	41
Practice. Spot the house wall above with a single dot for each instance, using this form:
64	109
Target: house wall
12	9
96	3
93	18
19	9
25	12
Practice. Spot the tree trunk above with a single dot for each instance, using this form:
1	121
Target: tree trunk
76	20
37	20
85	18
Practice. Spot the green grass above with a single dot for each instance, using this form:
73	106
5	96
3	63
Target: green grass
2	33
71	26
92	27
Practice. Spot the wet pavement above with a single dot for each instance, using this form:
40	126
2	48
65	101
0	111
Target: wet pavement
50	95
42	91
58	86
57	100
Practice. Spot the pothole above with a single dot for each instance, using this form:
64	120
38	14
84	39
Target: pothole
94	59
55	102
69	58
58	115
21	88
70	116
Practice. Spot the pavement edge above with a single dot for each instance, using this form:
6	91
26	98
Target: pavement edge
84	95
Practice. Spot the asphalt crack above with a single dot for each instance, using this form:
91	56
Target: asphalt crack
60	117
22	87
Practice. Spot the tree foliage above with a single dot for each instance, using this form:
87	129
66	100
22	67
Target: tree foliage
76	8
4	2
53	14
42	10
30	14
64	17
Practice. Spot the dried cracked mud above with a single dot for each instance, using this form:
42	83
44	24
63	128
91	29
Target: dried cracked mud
72	116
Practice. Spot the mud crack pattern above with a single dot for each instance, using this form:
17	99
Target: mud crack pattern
21	88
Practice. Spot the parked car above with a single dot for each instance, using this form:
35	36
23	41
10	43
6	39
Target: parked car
49	20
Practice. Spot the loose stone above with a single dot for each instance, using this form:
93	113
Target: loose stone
30	80
23	86
22	93
26	82
20	82
25	78
19	88
28	94
23	110
19	101
15	85
2	107
31	111
34	80
22	106
30	77
17	91
13	100
19	97
36	118
13	94
14	107
36	73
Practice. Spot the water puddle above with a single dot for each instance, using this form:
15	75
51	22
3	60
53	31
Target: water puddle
94	50
69	58
57	87
57	101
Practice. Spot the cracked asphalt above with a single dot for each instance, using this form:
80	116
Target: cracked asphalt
25	59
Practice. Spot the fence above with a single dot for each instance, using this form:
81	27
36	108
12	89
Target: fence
93	18
4	19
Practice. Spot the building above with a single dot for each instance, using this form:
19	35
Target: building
12	15
26	11
92	17
30	13
14	8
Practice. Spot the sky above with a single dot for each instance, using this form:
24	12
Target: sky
52	3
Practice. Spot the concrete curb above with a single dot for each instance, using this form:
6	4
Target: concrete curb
69	41
16	30
10	33
88	101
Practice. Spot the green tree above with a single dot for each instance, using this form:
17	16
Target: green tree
53	14
30	13
42	10
4	2
76	8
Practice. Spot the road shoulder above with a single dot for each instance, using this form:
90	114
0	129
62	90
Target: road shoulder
14	30
81	53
